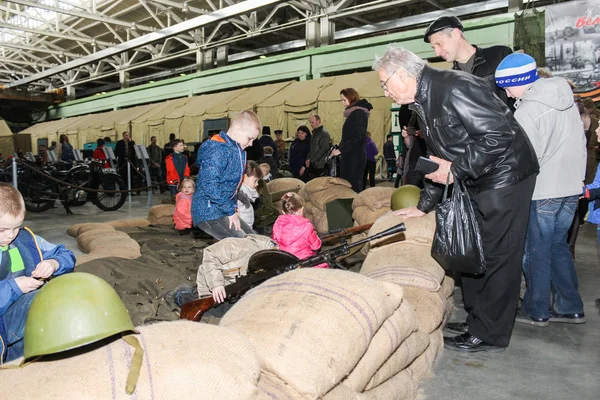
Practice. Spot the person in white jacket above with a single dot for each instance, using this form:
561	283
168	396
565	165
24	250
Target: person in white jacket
546	110
247	193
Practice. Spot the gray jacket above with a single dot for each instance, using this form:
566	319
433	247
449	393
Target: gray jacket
320	142
550	118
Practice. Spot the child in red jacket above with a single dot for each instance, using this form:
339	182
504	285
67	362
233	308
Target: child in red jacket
176	165
183	207
294	233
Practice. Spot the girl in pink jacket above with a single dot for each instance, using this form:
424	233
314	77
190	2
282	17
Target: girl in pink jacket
294	233
183	207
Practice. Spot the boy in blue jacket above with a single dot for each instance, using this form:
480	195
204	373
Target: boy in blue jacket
26	261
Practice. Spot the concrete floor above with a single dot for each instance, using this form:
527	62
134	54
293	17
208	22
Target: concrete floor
558	362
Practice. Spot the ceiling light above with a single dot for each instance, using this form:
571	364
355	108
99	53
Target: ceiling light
185	7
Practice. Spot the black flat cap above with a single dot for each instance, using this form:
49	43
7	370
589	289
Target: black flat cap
442	23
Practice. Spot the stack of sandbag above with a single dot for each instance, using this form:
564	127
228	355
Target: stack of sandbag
320	191
371	204
314	328
100	240
161	214
182	359
129	223
278	187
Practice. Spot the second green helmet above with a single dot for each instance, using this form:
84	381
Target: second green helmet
73	310
405	196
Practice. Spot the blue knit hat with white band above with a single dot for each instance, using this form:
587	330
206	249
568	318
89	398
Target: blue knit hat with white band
516	69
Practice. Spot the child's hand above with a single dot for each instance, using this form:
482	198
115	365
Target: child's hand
28	284
45	269
219	294
234	221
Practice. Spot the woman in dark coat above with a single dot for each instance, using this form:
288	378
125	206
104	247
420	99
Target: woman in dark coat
354	133
298	153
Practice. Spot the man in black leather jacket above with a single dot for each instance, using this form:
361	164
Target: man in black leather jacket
448	41
475	139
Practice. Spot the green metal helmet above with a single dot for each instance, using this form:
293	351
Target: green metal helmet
405	196
73	310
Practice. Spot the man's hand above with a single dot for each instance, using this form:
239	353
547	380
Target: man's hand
441	175
336	152
307	163
45	269
234	220
302	171
219	294
410	212
28	284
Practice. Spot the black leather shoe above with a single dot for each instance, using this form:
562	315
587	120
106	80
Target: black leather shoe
567	318
456	327
470	344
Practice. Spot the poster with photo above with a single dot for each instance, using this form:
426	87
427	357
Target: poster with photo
573	42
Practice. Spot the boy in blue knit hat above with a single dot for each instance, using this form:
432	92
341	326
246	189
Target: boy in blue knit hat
547	112
26	261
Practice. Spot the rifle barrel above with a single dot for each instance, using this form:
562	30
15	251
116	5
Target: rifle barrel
388	232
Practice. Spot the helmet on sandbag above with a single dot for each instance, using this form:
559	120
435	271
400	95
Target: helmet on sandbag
405	196
73	310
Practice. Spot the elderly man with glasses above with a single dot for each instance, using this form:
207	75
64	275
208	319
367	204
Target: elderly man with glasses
475	139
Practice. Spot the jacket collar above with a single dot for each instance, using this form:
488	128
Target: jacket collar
423	84
479	58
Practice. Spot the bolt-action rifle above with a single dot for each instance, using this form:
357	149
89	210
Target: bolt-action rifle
259	271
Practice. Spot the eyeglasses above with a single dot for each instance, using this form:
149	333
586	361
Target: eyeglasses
384	84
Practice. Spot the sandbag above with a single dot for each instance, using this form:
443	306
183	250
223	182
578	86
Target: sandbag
113	243
129	223
302	193
129	249
320	199
89	257
418	230
86	240
181	360
78	229
284	184
160	211
311	326
405	264
73	230
317	217
364	215
423	365
168	220
447	289
374	198
275	389
409	350
392	333
429	308
323	183
400	387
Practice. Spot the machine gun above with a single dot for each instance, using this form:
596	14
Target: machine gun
342	233
267	264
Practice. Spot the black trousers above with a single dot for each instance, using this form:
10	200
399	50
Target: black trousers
352	168
369	170
492	299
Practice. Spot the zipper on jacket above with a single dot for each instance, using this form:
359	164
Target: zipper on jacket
431	142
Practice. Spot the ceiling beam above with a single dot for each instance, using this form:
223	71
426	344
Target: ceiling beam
216	16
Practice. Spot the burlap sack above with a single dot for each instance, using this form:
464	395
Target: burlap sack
320	199
87	240
447	289
159	211
129	249
429	308
364	215
284	184
317	217
129	223
311	326
113	243
400	387
342	392
405	264
423	365
275	389
409	350
448	311
302	193
374	198
323	183
181	360
392	333
168	220
418	230
89	257
78	229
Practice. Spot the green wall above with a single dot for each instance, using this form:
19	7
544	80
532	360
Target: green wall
305	64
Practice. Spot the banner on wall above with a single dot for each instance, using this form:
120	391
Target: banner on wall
573	42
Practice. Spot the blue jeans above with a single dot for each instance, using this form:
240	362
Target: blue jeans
14	324
548	264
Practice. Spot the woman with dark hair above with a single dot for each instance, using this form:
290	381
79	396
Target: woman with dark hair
66	150
354	133
298	153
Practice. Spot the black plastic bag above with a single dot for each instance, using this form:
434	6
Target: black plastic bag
457	244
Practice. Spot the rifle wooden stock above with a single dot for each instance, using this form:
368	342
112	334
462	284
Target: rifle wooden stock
194	310
345	232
